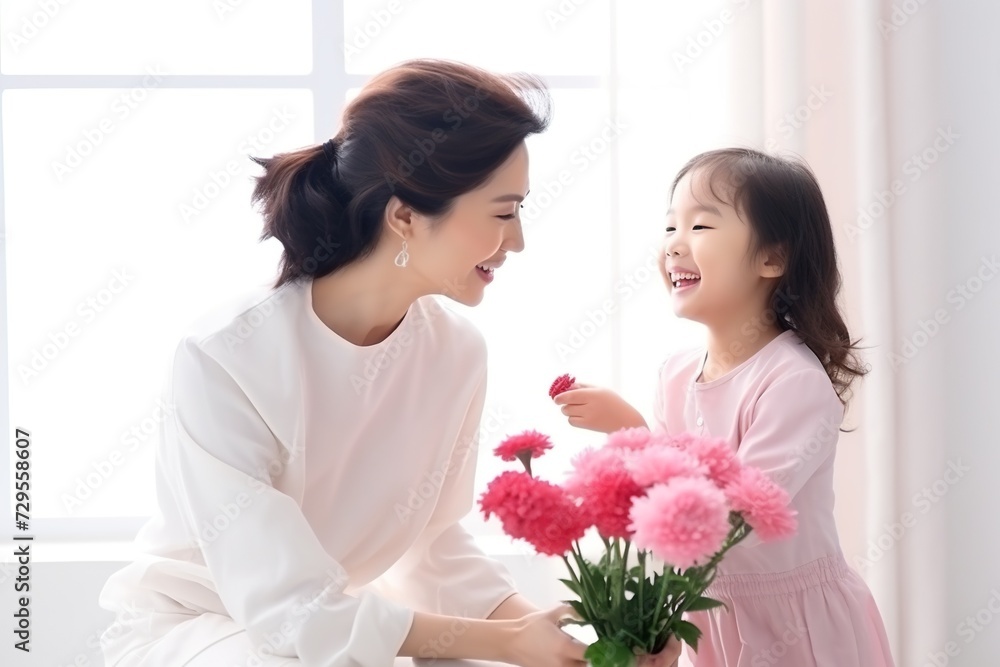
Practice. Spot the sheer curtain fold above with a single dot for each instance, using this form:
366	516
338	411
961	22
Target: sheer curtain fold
830	83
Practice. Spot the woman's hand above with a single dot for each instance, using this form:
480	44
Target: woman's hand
538	641
597	409
668	657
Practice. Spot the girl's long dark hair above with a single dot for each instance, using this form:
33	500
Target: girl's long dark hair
782	202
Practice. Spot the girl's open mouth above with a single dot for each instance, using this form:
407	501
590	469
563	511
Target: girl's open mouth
681	281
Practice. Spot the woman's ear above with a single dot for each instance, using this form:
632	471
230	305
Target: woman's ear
399	217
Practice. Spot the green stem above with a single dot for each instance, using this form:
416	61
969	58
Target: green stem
642	586
589	596
659	605
577	580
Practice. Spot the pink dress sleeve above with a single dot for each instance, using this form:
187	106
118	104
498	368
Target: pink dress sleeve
793	429
444	571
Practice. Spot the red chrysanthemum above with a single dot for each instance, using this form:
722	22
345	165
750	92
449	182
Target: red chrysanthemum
536	511
604	485
561	384
532	443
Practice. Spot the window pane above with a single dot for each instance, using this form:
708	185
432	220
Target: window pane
549	37
117	241
177	37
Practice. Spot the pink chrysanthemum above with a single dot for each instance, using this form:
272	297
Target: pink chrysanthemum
714	453
684	523
534	510
763	504
532	443
605	487
561	384
659	465
632	439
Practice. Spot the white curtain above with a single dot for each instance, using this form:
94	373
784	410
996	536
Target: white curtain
873	95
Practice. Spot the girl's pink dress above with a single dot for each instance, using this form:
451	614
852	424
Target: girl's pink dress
796	602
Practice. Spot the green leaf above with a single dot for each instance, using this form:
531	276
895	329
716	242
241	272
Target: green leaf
688	633
702	603
572	585
578	608
608	653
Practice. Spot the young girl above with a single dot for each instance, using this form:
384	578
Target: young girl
749	253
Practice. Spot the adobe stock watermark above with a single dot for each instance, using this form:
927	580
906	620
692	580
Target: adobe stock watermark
252	320
95	642
698	43
376	22
750	331
424	147
86	311
560	13
92	136
229	512
900	15
796	119
490	425
773	654
221	178
419	319
826	435
968	629
600	314
33	24
581	159
923	501
223	8
913	168
958	296
130	440
275	642
434	649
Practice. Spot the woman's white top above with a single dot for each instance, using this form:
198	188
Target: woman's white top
310	489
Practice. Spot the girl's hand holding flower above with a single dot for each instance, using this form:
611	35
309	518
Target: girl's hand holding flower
597	409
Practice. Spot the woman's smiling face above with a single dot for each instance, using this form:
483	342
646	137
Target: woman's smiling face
458	254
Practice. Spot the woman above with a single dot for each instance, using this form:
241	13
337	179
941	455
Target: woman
322	450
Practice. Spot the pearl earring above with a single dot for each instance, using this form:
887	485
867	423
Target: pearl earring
403	257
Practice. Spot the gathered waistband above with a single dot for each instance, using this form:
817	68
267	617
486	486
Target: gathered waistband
819	571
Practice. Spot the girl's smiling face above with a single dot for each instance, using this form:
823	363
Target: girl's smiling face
705	259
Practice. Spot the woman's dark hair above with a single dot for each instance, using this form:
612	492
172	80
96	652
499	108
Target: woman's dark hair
782	202
425	131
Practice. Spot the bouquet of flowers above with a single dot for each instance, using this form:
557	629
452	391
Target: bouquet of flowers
682	500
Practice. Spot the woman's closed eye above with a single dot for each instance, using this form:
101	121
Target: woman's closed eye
510	216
